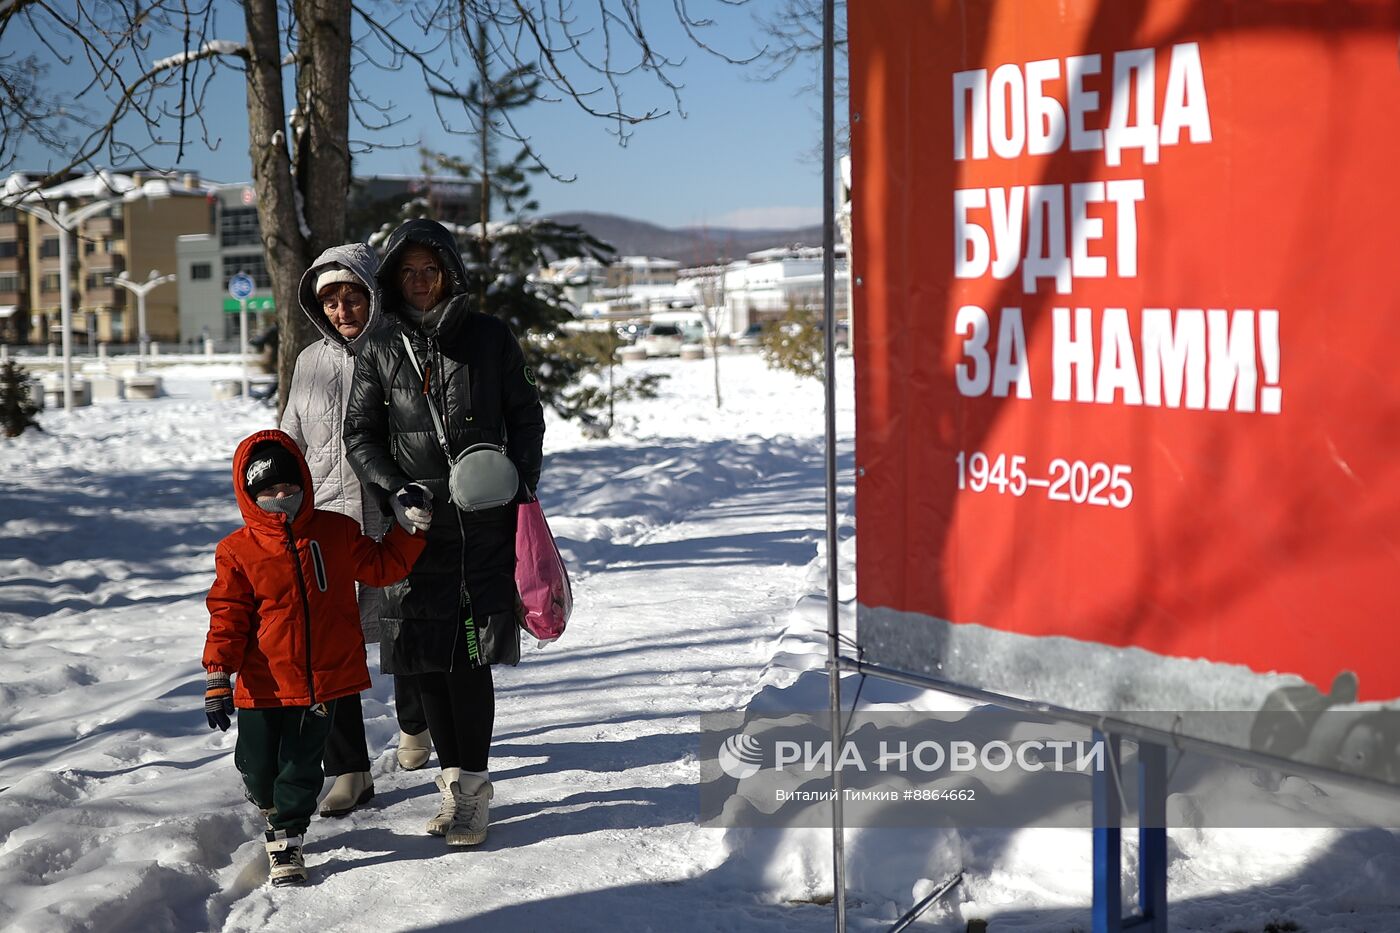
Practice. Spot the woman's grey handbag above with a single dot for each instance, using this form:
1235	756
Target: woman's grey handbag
480	477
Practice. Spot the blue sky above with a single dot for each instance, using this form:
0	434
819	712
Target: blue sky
744	155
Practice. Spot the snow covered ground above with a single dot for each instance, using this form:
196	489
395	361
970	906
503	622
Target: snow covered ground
696	544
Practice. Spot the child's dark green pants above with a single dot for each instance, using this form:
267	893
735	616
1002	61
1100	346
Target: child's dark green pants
279	754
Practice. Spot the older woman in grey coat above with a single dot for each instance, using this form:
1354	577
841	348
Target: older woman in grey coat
339	294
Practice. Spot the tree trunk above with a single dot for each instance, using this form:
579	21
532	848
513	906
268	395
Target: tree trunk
284	246
322	147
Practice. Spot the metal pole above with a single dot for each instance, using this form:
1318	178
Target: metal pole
1152	836
1108	841
243	340
66	304
143	337
833	618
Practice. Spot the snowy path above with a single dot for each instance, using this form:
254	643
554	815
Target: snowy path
594	758
121	811
694	540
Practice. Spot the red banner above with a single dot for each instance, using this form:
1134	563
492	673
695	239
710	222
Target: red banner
1127	325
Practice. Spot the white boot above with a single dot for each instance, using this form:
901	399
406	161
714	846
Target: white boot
285	862
414	749
348	792
474	795
447	805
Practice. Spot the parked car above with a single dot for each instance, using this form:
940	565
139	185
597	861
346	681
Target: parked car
751	337
662	340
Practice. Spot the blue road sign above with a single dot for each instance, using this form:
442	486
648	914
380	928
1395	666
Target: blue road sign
241	286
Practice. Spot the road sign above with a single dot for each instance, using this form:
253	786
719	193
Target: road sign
241	286
260	303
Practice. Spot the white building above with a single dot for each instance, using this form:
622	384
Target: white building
760	287
765	284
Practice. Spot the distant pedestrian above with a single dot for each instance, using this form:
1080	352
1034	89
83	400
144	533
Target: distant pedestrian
340	296
283	618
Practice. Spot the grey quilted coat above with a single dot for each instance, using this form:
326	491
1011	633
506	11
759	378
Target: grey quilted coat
315	409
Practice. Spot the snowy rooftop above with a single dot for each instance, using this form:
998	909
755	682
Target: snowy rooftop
106	184
647	262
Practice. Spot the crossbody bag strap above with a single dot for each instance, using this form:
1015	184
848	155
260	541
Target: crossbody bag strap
432	408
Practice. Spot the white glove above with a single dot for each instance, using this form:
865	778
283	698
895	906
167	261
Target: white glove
413	507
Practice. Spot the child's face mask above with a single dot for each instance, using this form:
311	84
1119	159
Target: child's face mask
282	499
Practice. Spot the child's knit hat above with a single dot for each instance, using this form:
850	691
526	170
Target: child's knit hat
270	463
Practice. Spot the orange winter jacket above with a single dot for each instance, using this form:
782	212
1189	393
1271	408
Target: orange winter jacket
282	610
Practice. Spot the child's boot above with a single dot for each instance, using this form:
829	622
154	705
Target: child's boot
284	858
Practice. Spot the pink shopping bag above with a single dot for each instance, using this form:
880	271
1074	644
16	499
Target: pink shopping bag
540	575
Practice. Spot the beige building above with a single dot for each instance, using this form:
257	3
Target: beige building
136	234
14	276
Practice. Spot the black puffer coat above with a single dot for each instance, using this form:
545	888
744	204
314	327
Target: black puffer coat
485	394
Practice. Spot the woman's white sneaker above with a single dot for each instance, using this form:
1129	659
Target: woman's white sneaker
472	812
447	804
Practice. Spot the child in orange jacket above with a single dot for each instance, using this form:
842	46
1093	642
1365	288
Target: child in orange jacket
283	616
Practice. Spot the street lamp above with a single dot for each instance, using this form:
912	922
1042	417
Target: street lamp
65	221
140	289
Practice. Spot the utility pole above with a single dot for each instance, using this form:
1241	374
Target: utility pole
140	290
65	222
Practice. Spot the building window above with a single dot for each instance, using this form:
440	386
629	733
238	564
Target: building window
118	327
238	226
201	270
89	247
9	215
98	280
251	263
48	249
9	249
49	282
9	282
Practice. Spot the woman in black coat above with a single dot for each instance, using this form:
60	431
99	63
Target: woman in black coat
455	615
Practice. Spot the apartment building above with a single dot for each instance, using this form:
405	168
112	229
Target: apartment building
206	261
14	277
134	233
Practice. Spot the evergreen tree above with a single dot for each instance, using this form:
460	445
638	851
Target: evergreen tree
598	388
795	343
17	408
503	257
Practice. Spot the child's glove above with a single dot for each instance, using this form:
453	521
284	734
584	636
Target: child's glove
413	507
218	700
